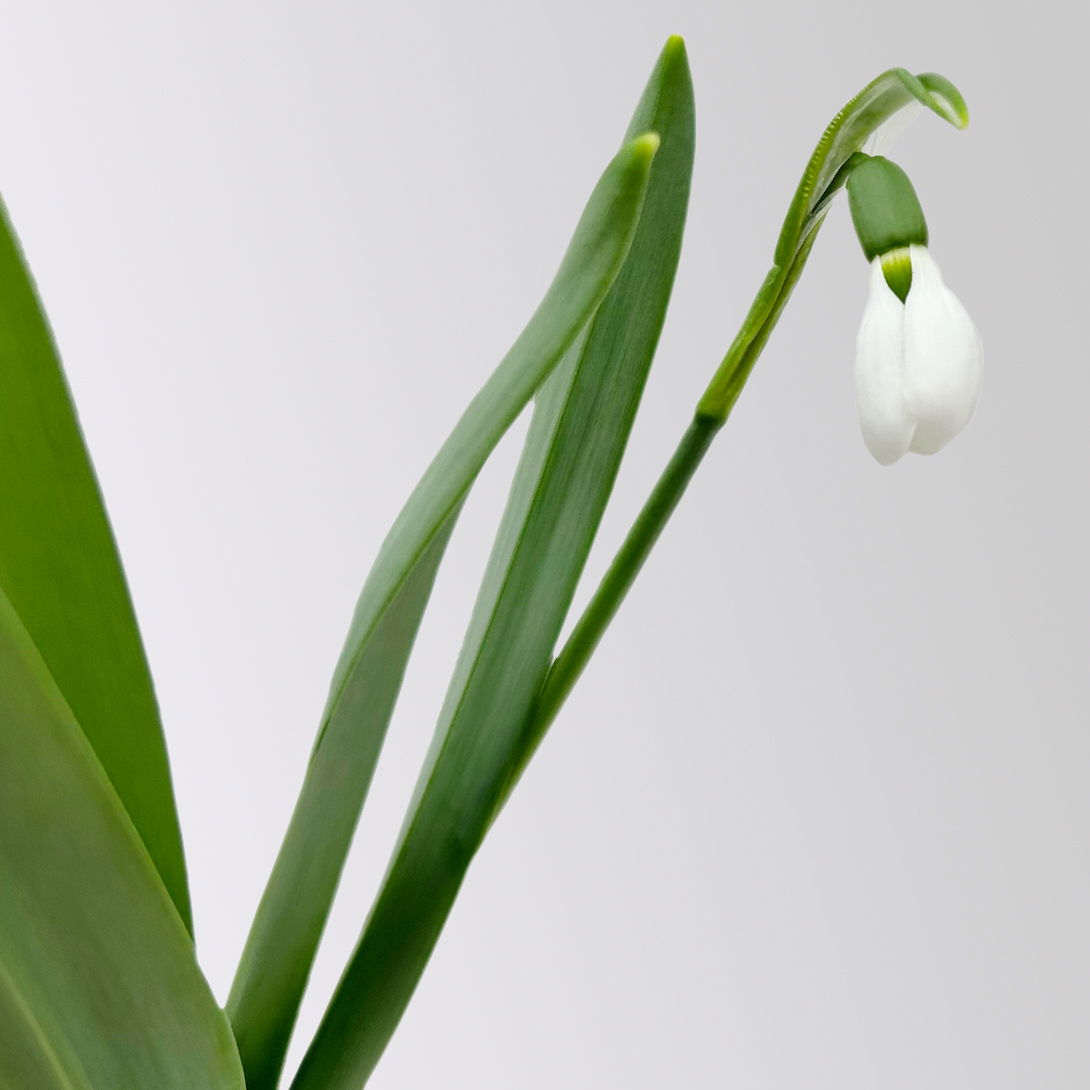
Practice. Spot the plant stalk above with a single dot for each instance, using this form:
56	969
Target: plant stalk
711	414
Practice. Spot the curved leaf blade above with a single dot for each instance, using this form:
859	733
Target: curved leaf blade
98	978
577	437
280	949
275	965
60	569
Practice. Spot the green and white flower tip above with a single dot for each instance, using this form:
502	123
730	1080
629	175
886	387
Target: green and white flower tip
917	361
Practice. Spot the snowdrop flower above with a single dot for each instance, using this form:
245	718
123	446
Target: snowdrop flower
917	363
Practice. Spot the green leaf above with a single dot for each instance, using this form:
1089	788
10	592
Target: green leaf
99	987
576	440
280	949
276	962
60	569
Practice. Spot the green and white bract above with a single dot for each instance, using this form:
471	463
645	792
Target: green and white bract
917	363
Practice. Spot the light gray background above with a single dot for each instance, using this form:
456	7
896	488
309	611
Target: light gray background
818	814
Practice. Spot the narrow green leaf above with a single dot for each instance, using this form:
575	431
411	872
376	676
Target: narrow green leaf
60	569
280	949
577	437
99	987
276	962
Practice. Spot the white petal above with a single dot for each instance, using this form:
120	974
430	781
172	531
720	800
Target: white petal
942	357
884	418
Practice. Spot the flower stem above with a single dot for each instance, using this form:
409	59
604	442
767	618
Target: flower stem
568	666
711	414
645	531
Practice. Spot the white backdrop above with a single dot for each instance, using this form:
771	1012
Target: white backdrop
817	816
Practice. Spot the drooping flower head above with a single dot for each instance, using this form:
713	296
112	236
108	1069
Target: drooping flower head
917	365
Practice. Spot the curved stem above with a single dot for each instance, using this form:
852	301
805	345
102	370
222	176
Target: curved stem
711	415
569	664
645	532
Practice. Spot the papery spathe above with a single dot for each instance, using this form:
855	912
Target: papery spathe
917	364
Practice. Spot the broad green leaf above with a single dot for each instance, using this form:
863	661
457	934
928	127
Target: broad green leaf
60	569
99	987
280	950
576	440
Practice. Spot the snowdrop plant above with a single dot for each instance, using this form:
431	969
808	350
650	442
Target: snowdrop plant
100	988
